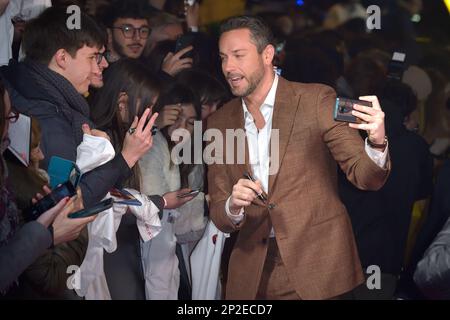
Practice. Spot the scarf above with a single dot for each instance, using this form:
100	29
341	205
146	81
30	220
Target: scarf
68	101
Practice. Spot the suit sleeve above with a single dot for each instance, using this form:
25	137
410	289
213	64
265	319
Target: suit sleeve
347	146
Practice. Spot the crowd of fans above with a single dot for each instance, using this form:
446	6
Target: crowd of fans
135	58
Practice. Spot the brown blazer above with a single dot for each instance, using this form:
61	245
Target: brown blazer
312	228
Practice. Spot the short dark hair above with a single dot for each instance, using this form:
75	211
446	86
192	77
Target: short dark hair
260	32
133	9
48	33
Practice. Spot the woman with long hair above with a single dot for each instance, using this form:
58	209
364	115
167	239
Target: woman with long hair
129	89
179	109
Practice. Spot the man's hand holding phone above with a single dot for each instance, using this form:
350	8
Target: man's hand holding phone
244	193
373	118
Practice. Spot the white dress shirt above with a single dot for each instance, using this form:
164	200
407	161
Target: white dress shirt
258	148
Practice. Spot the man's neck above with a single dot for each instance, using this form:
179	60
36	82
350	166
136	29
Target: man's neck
257	97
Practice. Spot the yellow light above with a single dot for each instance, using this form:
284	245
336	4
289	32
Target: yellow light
447	3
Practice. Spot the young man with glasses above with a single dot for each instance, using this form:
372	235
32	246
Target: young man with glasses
128	29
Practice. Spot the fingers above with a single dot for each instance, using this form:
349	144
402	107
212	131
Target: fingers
135	122
362	116
86	129
142	120
180	53
254	186
149	126
373	99
168	57
365	109
246	190
47	190
362	126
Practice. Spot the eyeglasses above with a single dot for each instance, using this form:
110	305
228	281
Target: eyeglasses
129	31
99	57
13	116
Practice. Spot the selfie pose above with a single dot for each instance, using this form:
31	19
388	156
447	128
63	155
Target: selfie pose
295	238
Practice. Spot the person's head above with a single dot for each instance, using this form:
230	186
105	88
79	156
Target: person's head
129	88
178	94
209	91
128	28
247	51
71	52
164	27
310	64
365	75
97	77
404	99
36	154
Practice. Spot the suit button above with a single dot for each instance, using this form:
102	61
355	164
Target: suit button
264	240
272	206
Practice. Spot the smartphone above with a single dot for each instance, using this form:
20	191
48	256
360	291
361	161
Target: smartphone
396	66
61	170
343	109
124	197
49	201
183	41
99	207
189	194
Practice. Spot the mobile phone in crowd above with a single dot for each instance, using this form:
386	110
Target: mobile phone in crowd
99	207
344	107
184	41
189	194
396	66
49	201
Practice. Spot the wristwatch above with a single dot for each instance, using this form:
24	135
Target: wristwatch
378	145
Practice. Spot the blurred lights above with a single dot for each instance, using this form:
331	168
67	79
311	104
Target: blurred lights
416	18
299	3
447	3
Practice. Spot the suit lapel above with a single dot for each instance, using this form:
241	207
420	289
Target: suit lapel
284	113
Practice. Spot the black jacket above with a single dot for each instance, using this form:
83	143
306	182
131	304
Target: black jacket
57	132
381	219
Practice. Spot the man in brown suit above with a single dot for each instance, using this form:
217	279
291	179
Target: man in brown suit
297	244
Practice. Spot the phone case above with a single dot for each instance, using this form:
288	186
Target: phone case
124	197
61	170
99	207
343	109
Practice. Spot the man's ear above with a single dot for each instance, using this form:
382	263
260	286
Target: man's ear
269	54
61	58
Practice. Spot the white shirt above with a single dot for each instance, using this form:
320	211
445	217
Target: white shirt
258	147
7	31
23	9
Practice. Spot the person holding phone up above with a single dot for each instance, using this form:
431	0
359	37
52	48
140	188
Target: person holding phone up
296	242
